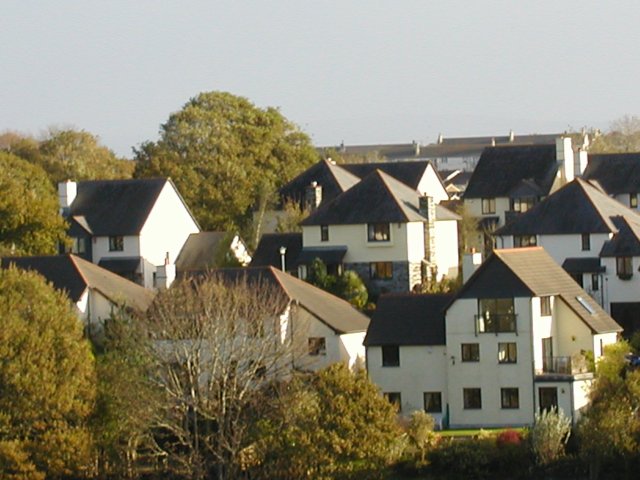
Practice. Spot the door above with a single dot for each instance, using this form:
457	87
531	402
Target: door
547	355
548	397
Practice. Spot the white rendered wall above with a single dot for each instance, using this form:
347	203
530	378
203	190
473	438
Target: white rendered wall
167	228
474	207
447	248
352	350
430	185
422	369
619	290
488	374
100	248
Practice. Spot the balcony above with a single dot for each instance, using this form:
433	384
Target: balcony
496	323
563	365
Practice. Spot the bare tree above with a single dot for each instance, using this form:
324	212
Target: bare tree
217	347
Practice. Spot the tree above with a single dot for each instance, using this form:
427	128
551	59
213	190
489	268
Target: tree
216	347
623	137
293	214
47	380
333	424
220	149
67	154
609	430
29	220
348	285
549	435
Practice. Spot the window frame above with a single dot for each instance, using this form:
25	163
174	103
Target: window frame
324	233
394	398
390	355
595	282
510	350
518	202
507	398
317	346
472	398
521	241
488	205
381	270
382	229
116	243
585	242
486	324
469	352
545	306
624	267
633	200
435	404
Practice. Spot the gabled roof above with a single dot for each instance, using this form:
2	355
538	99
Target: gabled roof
332	178
377	198
74	275
202	250
268	250
578	207
537	275
115	207
334	312
408	319
500	169
625	242
408	172
616	172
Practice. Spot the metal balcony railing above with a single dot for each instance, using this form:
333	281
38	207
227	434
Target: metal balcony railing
496	323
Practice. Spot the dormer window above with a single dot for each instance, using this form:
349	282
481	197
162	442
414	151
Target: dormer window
524	241
624	267
378	232
116	243
488	205
522	204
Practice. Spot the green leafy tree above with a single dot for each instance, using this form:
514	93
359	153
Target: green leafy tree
334	424
29	220
609	430
68	154
219	149
623	136
293	214
348	286
47	380
420	433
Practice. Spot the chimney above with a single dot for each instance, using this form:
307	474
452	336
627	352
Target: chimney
416	148
440	139
313	195
164	276
427	208
67	192
470	263
580	159
512	136
564	157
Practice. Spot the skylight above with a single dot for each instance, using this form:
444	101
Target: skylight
586	306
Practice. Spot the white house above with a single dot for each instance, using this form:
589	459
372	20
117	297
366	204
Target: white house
407	354
135	228
594	237
509	180
329	328
95	292
516	337
389	233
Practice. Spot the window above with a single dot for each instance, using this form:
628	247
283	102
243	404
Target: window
317	346
624	267
524	241
595	282
381	270
488	205
507	352
390	356
496	315
545	306
509	398
522	204
79	245
378	232
470	352
633	200
548	398
432	402
324	233
116	244
471	398
586	242
394	398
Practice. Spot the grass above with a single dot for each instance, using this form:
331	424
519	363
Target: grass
474	432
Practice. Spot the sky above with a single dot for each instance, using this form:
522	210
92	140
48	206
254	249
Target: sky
361	72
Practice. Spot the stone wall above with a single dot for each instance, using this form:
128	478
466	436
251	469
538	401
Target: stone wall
405	276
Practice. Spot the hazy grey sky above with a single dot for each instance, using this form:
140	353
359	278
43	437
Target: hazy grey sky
359	71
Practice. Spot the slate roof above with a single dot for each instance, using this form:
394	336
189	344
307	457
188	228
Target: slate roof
332	178
625	242
501	169
200	250
377	198
74	275
578	207
616	172
408	172
115	207
539	275
408	319
334	312
583	265
329	255
268	250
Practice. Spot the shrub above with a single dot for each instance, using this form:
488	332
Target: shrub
549	435
508	437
